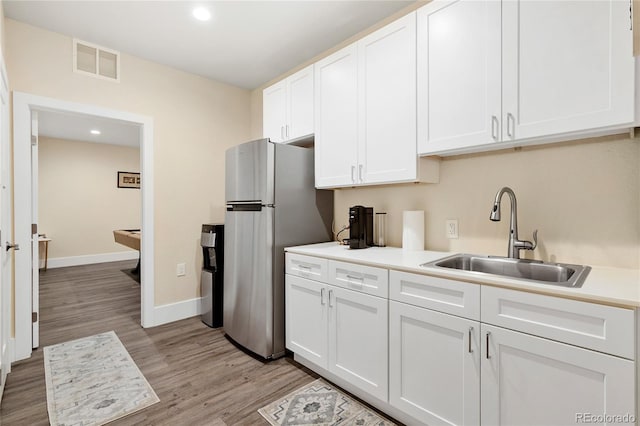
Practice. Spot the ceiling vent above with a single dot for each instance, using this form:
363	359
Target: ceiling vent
95	60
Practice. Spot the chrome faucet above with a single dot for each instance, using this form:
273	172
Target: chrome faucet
515	245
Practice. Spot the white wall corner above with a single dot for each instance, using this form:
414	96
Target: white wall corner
177	311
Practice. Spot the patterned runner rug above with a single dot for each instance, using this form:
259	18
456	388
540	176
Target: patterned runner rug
319	404
93	381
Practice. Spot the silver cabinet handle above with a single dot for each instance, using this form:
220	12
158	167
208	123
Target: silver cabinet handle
470	348
282	132
303	266
330	293
13	246
352	278
495	125
286	132
353	173
511	125
322	296
360	172
488	334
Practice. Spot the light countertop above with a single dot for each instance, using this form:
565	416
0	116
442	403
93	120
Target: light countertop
612	286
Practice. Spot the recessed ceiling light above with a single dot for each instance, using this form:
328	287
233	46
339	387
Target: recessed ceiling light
95	132
201	14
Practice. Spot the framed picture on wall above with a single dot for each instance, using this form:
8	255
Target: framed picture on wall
128	180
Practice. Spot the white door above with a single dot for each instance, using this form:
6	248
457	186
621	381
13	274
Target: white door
567	66
387	103
306	318
336	118
274	111
300	104
434	365
6	235
528	380
35	248
358	339
459	74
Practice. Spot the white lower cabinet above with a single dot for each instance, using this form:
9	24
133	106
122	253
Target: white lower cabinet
444	352
342	331
527	380
434	365
358	340
306	319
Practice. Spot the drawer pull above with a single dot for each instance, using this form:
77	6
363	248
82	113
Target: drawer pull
300	265
488	334
470	349
352	277
322	296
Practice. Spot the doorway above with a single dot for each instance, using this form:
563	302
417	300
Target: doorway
25	111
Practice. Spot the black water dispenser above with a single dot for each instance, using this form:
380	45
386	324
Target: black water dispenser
211	281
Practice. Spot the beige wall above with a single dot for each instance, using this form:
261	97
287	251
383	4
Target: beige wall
195	120
583	197
79	203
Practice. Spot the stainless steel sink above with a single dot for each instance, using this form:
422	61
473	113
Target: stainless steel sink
561	274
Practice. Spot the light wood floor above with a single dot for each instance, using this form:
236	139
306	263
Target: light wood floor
200	377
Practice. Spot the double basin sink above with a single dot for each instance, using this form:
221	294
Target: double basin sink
560	274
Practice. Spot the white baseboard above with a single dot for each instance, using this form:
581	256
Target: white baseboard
176	311
61	262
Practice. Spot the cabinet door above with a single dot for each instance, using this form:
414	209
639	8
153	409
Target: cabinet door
567	66
358	340
306	318
336	119
300	104
274	111
459	74
387	67
535	381
434	365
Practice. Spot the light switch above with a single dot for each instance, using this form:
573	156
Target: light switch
181	269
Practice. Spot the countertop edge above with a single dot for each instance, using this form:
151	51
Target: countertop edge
544	289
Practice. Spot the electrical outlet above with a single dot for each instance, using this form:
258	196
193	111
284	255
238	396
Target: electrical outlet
451	229
181	270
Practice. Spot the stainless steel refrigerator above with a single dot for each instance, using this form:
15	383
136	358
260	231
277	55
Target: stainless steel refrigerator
272	203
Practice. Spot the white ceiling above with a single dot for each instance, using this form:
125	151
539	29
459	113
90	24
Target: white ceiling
246	43
77	127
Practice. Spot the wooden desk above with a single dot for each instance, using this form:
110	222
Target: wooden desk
131	239
43	239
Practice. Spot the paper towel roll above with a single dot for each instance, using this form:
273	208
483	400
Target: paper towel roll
413	230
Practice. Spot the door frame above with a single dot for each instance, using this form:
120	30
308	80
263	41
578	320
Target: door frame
23	105
6	268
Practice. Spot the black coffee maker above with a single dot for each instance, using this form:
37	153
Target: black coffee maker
360	227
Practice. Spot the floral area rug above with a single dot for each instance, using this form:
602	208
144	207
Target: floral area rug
93	381
318	403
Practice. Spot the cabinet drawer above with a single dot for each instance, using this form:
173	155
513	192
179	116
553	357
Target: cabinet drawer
603	328
365	279
313	268
439	294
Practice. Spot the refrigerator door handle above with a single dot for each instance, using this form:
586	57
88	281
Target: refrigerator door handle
249	207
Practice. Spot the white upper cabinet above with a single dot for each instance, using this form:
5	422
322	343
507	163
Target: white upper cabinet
336	113
458	74
521	70
288	107
366	110
567	66
387	103
274	111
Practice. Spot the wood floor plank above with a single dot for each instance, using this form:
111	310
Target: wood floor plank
200	376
